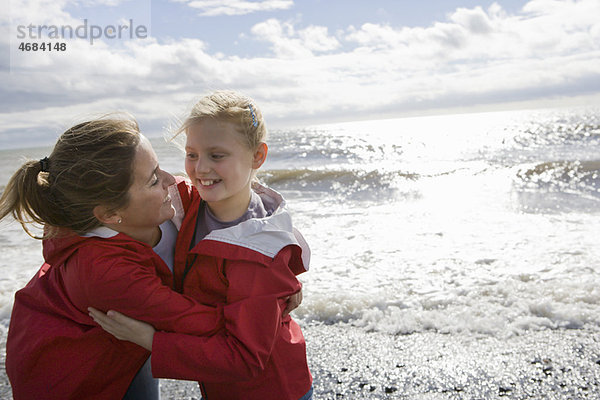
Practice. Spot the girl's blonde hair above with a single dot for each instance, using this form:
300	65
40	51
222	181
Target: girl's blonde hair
233	107
91	165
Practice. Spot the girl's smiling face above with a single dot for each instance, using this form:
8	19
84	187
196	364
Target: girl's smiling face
221	166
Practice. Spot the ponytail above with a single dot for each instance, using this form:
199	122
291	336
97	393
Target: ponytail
26	196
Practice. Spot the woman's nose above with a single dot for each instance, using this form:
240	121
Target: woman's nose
168	179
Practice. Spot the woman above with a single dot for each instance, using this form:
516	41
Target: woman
105	204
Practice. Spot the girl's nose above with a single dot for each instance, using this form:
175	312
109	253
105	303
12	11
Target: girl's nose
202	166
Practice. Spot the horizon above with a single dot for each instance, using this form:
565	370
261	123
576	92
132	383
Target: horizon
5	145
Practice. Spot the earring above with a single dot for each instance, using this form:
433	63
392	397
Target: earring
119	221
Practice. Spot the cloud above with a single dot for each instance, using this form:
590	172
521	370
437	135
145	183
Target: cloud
108	3
32	11
475	35
211	8
475	20
287	42
475	56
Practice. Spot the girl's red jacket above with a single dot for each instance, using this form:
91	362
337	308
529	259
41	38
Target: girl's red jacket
251	262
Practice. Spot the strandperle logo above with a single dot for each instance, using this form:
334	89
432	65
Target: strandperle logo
84	31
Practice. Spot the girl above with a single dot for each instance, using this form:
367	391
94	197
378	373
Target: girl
105	205
236	243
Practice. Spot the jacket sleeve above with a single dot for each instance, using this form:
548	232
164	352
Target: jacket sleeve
254	279
134	289
238	353
252	321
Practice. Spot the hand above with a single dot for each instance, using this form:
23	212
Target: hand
124	328
293	302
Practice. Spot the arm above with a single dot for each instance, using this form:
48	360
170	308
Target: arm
233	354
124	328
141	333
293	302
256	298
239	353
131	286
221	357
248	325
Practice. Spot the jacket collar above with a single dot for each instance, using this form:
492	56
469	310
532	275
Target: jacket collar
267	236
102	231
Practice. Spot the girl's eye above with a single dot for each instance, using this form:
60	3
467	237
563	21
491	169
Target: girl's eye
217	156
190	156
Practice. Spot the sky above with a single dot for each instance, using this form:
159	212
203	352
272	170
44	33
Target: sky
304	62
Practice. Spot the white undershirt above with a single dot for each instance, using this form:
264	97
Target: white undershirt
166	245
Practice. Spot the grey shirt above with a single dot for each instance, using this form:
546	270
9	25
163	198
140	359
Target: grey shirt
207	222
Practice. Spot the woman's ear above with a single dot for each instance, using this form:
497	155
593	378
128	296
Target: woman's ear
260	155
105	215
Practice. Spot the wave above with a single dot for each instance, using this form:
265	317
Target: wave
315	176
360	185
504	308
560	186
564	174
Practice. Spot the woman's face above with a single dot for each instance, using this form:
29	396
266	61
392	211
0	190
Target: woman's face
149	201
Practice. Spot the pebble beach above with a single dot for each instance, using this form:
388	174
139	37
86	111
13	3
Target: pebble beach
349	363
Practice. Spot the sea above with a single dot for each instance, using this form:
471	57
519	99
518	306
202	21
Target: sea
471	224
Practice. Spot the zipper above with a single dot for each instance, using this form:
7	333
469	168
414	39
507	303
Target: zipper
189	262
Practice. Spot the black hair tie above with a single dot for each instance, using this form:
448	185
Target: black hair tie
44	164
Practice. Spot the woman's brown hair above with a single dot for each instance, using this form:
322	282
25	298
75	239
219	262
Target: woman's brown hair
91	165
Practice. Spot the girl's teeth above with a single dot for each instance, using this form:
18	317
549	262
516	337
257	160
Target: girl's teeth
207	183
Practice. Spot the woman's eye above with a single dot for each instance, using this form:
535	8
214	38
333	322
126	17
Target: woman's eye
155	181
